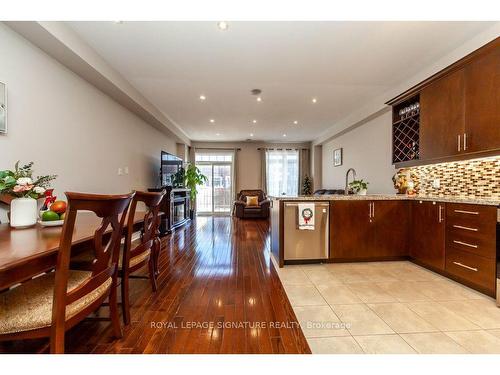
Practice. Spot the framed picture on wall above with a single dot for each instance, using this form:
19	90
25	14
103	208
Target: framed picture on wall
3	108
337	157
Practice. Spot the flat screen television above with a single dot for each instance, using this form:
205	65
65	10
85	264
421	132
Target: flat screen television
170	166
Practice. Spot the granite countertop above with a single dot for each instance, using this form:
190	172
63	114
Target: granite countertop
382	197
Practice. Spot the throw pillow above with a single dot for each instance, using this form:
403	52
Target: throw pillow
252	201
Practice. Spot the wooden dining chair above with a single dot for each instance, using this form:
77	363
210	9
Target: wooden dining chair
49	305
145	250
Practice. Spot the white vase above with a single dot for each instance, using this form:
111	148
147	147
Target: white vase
362	192
23	212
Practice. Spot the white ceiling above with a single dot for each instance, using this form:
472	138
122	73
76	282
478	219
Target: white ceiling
342	64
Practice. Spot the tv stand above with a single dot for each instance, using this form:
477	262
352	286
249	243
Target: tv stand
175	205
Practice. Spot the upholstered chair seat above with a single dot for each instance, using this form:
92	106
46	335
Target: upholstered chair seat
135	260
29	306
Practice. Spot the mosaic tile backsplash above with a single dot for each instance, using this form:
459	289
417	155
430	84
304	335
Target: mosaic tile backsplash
474	178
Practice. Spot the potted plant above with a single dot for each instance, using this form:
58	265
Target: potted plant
25	191
178	178
192	178
359	187
307	186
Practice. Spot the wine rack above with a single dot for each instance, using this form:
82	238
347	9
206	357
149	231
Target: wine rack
406	131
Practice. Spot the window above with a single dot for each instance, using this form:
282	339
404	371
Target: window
282	172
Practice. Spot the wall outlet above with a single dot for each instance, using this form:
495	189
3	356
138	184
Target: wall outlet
120	172
436	183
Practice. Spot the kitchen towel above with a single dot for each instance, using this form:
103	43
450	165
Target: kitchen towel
306	216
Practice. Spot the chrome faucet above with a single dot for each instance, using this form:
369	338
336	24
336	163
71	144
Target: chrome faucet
346	191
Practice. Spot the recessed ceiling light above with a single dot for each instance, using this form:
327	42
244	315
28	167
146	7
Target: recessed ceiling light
212	120
295	122
202	97
314	100
284	135
251	134
254	121
118	22
217	134
259	99
222	25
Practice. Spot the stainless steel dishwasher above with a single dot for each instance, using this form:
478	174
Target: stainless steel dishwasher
306	244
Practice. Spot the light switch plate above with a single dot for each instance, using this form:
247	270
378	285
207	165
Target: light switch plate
436	183
120	172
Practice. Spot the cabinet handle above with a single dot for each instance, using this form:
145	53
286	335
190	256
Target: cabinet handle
370	210
373	209
458	143
467	212
465	228
465	141
440	214
464	266
465	244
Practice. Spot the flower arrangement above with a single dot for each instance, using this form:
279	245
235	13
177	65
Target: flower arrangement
19	183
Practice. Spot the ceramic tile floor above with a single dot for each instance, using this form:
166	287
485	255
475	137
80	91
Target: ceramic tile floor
389	307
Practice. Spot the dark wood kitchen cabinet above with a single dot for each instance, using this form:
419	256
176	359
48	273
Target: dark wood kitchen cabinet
368	230
351	234
458	115
482	103
471	245
391	219
427	234
442	116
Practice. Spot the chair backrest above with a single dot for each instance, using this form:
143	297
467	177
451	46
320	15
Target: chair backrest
149	230
106	246
248	193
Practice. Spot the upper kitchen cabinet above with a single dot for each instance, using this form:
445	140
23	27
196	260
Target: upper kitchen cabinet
453	115
482	103
442	116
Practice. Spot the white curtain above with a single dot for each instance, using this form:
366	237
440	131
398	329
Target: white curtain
282	172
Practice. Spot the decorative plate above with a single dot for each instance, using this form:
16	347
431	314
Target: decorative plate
53	223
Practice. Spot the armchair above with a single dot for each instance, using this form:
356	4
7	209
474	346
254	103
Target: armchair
242	211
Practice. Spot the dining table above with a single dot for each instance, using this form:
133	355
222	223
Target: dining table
27	252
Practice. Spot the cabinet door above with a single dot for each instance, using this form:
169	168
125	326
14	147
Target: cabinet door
427	233
442	117
391	220
482	98
351	232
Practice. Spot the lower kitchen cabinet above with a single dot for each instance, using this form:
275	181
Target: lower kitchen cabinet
456	240
427	234
351	234
471	245
391	219
368	230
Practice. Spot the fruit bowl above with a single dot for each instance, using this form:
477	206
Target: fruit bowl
53	223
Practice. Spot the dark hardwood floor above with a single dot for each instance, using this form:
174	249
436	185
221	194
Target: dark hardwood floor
218	293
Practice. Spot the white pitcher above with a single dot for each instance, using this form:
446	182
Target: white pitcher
23	212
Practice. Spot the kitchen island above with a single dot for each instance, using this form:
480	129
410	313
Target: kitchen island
455	236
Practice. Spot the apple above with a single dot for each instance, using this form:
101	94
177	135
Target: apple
58	207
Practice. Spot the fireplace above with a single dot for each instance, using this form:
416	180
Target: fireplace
179	211
175	208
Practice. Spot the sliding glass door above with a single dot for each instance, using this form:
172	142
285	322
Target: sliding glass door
215	196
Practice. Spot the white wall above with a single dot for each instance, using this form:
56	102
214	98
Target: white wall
367	149
69	128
